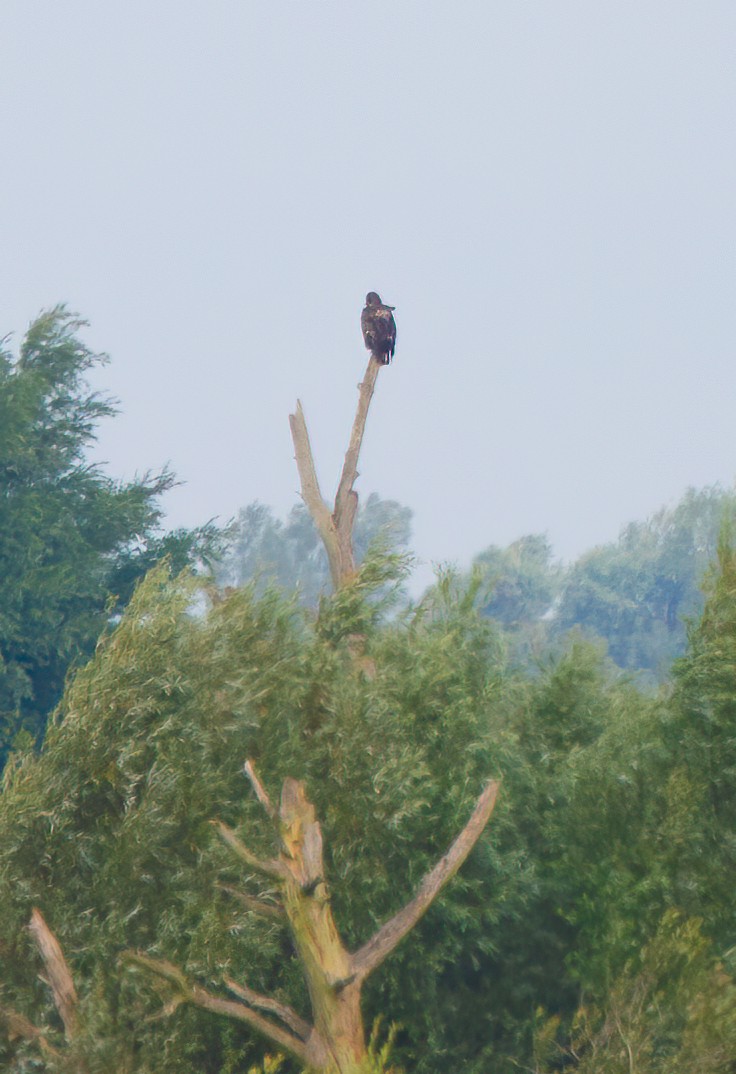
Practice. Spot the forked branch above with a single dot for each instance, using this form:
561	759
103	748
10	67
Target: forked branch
208	1001
336	527
334	1041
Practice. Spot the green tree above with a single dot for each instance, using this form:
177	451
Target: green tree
647	824
108	832
518	588
521	581
72	540
391	722
636	593
700	735
291	553
671	1008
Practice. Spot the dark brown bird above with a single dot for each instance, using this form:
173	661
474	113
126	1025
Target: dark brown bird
379	328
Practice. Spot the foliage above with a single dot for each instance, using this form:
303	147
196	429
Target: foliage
522	580
291	554
612	835
637	592
700	733
654	912
572	814
108	831
72	540
520	586
671	1008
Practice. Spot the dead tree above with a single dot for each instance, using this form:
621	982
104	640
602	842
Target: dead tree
333	1040
59	979
335	527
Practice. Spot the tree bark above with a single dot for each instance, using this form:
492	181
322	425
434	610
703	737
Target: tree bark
311	493
61	983
60	978
336	527
334	1041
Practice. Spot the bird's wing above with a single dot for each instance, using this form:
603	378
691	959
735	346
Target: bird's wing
368	325
385	324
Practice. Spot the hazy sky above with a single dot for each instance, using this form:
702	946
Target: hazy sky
545	190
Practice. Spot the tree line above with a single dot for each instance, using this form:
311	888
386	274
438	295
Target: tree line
634	594
591	926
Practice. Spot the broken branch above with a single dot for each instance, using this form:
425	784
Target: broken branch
311	493
17	1025
59	975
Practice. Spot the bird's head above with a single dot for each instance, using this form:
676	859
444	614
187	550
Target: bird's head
373	299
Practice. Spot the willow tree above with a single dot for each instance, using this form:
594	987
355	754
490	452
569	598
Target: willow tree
72	539
392	746
334	1039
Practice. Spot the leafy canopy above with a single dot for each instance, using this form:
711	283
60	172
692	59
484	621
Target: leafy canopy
73	541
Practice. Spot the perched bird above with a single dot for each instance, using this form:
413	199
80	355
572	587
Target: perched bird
379	328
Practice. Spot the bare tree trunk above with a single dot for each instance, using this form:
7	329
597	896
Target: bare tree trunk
335	527
334	1041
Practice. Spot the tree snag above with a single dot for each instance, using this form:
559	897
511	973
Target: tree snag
59	979
333	1041
336	527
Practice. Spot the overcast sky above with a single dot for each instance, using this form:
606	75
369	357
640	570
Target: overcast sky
544	190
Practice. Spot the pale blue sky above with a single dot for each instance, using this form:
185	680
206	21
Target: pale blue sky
545	190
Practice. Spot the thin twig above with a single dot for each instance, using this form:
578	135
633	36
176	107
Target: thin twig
273	867
257	906
200	997
260	791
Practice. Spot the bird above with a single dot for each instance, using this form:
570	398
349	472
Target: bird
379	328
